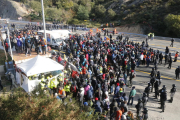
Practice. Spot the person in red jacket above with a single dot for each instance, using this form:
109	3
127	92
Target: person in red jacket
118	114
59	59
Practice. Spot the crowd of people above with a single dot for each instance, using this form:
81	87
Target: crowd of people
104	70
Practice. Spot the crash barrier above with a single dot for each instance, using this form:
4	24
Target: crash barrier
145	36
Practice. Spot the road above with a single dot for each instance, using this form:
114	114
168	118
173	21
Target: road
168	78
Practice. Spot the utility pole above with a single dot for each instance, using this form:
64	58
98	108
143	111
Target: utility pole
7	28
44	24
9	38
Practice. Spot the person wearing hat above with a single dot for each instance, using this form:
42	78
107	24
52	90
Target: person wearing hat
97	106
132	95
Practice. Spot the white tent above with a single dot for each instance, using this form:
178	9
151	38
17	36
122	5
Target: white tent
34	66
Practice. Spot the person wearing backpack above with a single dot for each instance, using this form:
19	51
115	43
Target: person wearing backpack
147	89
27	47
139	106
144	99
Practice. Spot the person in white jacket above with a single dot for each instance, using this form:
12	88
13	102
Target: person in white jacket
141	58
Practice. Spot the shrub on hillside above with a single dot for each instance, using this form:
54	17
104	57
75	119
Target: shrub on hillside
23	106
173	24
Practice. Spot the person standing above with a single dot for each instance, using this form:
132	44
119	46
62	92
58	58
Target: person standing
27	47
147	89
43	46
172	41
160	58
173	90
177	71
19	45
170	61
144	100
139	106
132	95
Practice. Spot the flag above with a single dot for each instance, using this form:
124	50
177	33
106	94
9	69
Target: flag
65	57
105	38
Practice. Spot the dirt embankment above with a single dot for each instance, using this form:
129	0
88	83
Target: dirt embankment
12	9
130	29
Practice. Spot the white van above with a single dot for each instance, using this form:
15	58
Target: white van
64	34
53	39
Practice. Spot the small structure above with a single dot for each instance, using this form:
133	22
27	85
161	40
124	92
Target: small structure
36	67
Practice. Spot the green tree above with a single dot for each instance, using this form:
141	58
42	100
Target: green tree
65	4
82	13
99	11
111	13
53	13
173	24
36	6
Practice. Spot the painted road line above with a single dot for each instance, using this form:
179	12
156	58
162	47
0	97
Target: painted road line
161	76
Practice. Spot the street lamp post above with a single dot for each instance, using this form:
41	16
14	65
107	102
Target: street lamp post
44	24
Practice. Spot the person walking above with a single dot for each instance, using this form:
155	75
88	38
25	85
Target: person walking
172	41
132	95
175	57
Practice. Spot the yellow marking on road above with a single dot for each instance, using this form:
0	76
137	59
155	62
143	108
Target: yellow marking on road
161	76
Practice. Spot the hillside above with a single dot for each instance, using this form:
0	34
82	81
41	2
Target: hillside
12	9
150	15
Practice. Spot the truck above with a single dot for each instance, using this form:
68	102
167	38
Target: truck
54	39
